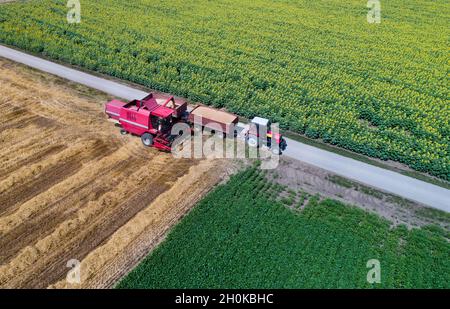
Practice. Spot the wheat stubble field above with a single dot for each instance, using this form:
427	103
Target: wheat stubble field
72	188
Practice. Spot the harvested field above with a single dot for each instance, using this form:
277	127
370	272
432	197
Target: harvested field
72	188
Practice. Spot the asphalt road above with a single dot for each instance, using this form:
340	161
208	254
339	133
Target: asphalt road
407	187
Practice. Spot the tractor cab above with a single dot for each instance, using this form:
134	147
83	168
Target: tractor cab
257	131
259	134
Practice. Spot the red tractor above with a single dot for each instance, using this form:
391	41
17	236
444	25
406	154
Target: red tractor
258	134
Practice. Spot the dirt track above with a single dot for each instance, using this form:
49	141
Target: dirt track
72	188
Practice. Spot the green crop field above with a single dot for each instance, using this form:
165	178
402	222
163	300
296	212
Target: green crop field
317	67
243	235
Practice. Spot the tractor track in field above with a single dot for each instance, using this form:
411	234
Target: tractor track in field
30	231
44	152
69	182
44	177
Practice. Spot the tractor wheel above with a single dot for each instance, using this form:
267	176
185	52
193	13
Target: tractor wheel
276	151
147	139
123	132
252	142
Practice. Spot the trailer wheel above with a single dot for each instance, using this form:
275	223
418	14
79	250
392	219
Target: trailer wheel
252	142
147	139
123	132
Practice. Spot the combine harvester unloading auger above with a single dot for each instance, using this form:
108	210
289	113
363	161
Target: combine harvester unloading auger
153	118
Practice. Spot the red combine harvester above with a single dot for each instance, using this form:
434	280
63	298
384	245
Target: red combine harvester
153	117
